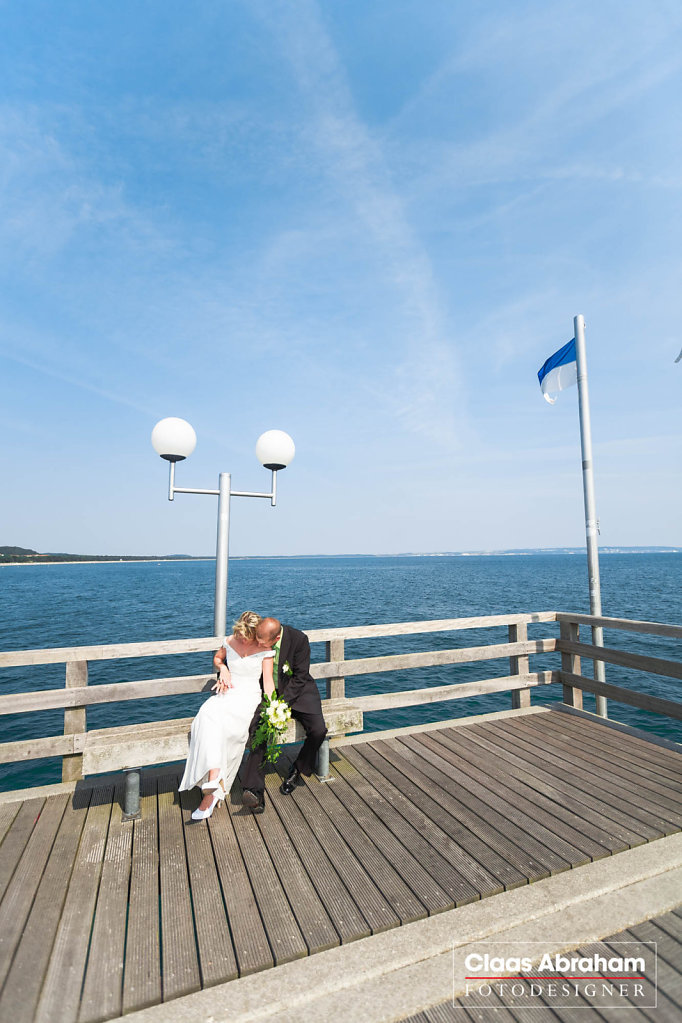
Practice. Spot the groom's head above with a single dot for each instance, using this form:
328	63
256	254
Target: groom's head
268	632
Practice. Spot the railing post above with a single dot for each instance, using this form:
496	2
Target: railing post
518	665
336	687
74	720
570	632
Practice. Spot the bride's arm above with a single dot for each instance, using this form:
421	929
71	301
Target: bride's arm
224	680
268	680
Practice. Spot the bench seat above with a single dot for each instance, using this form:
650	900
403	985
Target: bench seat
160	742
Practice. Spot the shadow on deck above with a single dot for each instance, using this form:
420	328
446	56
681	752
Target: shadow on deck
100	918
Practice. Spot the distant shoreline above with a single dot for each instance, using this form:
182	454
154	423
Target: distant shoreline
537	552
105	561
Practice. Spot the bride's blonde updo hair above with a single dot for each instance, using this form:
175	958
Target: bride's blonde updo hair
246	625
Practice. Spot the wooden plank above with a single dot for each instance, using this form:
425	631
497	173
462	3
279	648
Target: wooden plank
519	665
16	838
21	991
525	843
454	691
37	749
585	825
8	812
427	890
672	925
109	652
623	758
363	885
142	972
429	658
111	692
251	946
616	776
344	913
138	745
668	995
179	962
611	793
60	995
524	807
443	870
334	651
644	701
74	719
21	890
668	953
624	658
481	1008
280	924
217	960
403	904
487	872
666	762
570	665
156	648
608	788
436	625
313	919
498	842
554	774
102	989
627	624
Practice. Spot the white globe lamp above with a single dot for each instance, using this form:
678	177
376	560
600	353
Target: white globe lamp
174	439
275	449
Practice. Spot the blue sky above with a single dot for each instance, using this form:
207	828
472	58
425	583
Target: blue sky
367	224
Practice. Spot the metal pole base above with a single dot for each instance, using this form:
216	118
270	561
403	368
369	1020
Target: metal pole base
322	774
131	798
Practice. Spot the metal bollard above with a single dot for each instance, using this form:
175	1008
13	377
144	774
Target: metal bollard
322	772
131	798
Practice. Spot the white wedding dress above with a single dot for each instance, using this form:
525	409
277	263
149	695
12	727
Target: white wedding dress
221	728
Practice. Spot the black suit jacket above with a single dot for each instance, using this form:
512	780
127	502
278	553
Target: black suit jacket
294	651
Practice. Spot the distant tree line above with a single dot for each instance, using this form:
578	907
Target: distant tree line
22	555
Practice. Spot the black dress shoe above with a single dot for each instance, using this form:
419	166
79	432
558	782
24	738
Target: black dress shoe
254	800
290	783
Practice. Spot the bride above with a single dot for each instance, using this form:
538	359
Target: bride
221	728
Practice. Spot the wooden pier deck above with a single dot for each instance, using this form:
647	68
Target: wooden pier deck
99	918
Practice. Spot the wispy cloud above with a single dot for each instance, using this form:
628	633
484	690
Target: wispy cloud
421	384
583	86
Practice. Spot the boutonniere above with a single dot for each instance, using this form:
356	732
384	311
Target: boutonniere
287	669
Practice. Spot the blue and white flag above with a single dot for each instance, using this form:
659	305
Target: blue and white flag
559	372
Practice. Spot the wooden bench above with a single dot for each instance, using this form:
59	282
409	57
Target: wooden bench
130	747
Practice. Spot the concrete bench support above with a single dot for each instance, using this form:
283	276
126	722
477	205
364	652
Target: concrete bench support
323	762
131	797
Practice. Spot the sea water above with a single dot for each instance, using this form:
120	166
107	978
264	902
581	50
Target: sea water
57	605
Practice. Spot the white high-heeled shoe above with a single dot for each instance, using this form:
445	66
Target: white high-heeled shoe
202	815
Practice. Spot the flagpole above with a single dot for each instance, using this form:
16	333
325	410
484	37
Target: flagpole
591	529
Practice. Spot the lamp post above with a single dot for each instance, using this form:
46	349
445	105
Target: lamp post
174	439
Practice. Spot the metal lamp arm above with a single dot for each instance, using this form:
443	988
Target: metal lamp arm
173	490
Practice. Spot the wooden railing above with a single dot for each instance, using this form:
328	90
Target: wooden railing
572	650
77	695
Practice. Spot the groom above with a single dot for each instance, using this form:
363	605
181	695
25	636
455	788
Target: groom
296	686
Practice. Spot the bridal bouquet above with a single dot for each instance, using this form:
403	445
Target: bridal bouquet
273	722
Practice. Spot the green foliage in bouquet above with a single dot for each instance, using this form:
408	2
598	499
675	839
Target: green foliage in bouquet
274	718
